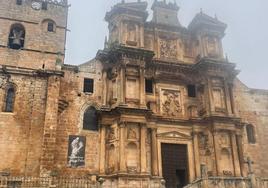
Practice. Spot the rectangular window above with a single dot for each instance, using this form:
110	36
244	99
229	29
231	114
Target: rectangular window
88	85
44	5
50	27
149	86
19	2
191	90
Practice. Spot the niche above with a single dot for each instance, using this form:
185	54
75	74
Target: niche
132	157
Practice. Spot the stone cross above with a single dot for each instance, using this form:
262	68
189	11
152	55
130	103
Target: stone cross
249	163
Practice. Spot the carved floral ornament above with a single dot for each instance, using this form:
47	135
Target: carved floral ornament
168	48
171	105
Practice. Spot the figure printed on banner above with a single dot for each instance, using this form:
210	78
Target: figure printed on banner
76	151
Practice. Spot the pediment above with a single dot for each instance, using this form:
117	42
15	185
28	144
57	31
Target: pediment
174	134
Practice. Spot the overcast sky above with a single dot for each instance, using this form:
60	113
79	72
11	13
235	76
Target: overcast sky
245	42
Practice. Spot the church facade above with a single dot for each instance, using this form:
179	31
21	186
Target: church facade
159	106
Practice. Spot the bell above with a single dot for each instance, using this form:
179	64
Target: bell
16	39
16	43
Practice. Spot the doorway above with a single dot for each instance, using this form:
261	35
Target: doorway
175	165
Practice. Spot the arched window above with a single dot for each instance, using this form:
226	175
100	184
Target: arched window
251	134
10	99
49	25
90	120
16	37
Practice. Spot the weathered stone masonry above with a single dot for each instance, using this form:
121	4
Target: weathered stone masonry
155	86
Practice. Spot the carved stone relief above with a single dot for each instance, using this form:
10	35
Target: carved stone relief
206	151
111	133
204	145
171	103
168	48
132	134
224	140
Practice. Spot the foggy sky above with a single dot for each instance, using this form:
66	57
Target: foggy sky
245	42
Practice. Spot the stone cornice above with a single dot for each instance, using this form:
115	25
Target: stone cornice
116	51
5	69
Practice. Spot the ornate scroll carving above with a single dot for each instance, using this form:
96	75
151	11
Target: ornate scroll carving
111	134
132	133
168	48
171	105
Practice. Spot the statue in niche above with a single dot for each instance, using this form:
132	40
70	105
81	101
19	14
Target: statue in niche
171	106
131	34
223	140
168	48
212	46
204	145
111	135
132	133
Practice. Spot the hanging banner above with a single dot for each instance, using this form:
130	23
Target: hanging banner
76	151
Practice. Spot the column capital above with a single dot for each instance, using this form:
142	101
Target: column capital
143	125
122	124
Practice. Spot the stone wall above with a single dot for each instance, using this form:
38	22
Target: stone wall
71	118
252	106
21	131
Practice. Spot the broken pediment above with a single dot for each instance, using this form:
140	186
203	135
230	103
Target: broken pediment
174	134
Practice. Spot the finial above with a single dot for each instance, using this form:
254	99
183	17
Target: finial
216	18
105	42
201	11
226	57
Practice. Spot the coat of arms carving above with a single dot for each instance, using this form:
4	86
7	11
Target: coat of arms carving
171	105
168	49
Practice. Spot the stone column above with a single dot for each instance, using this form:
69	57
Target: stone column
210	94
227	98
142	88
143	148
102	149
154	153
50	126
241	154
122	85
142	36
122	156
196	155
217	152
104	91
237	170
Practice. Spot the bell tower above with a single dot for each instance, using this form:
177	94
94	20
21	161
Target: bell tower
32	33
126	23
